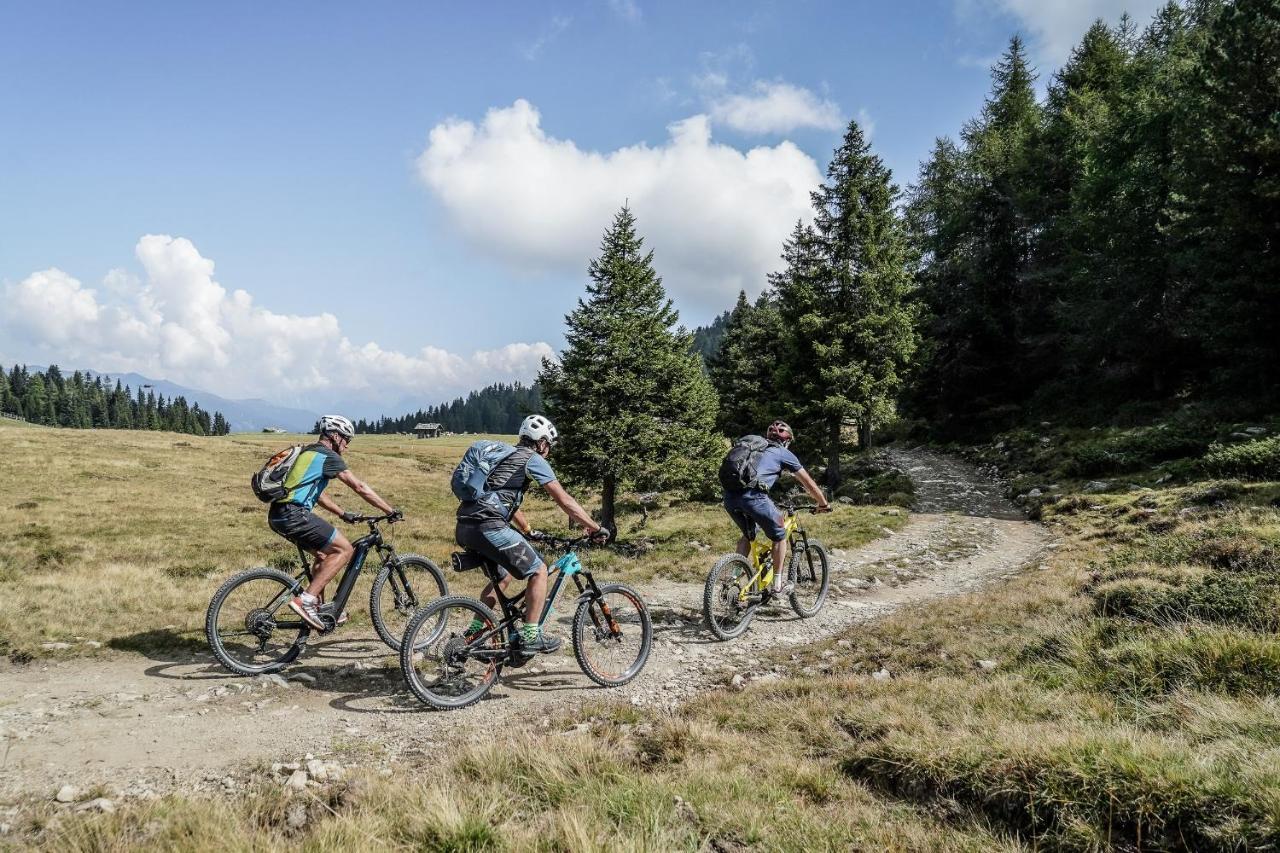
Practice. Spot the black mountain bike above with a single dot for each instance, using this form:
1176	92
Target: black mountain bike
252	631
449	665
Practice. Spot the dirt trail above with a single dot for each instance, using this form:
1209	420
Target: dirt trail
144	726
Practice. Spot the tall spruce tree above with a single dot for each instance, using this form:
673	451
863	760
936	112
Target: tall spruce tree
744	368
846	301
1229	192
973	225
629	397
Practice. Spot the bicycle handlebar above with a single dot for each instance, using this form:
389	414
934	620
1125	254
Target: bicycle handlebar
790	506
561	542
376	519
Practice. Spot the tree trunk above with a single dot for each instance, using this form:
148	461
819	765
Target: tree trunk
607	497
833	455
864	435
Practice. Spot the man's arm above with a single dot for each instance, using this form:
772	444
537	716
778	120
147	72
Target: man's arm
812	488
571	507
362	489
326	502
521	523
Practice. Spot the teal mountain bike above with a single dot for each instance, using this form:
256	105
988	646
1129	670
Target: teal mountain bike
451	664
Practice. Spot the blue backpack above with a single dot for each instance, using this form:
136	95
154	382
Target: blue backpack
471	477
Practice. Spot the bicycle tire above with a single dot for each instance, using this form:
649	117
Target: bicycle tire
440	699
822	583
713	594
392	634
586	623
217	644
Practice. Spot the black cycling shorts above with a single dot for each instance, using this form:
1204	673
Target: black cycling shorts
504	546
301	526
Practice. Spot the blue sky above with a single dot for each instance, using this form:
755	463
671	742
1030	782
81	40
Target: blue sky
403	194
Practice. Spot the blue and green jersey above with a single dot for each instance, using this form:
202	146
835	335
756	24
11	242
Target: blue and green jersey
315	466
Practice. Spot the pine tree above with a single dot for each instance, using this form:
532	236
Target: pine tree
744	367
1229	192
972	215
630	399
846	302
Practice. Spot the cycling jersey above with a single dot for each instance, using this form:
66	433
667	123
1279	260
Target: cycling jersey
315	466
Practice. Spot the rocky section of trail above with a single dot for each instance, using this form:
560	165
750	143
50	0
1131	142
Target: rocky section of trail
137	727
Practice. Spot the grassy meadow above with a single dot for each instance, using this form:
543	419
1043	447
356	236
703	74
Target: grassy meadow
120	537
1122	694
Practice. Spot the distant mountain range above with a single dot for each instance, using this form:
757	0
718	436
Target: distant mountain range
243	415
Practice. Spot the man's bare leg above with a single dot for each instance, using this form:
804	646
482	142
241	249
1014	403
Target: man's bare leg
329	561
744	546
779	564
535	595
488	597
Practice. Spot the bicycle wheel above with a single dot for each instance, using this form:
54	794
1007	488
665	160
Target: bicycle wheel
249	627
400	590
810	570
443	669
727	602
612	635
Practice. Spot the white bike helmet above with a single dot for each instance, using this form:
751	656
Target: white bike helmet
338	425
537	427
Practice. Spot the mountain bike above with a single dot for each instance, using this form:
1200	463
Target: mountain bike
450	665
737	586
252	631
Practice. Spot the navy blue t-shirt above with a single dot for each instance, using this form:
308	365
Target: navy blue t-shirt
773	461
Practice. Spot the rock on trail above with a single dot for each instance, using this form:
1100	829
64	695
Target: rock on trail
146	725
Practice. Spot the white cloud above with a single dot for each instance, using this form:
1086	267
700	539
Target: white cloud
776	107
627	10
177	323
1057	25
715	216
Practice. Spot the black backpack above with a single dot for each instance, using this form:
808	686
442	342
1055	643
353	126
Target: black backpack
738	470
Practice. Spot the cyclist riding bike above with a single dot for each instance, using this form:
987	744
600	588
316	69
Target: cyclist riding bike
291	516
495	528
750	506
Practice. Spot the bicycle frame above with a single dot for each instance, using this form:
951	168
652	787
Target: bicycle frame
761	550
568	566
372	541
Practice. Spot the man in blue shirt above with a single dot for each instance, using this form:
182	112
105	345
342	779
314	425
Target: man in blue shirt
496	529
291	516
751	508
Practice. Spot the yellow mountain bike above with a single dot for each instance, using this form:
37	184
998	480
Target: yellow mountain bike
737	586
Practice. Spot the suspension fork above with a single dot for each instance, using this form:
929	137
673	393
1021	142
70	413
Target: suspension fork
803	538
594	590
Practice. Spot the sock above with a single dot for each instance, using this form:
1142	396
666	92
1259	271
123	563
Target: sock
308	598
475	627
529	631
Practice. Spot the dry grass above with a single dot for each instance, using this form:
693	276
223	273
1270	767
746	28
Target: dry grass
120	537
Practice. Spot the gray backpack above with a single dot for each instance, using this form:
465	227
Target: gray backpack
738	471
268	482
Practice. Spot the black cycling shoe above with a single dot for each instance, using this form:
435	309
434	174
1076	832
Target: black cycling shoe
544	645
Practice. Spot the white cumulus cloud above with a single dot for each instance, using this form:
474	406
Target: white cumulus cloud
177	322
776	107
1057	25
715	216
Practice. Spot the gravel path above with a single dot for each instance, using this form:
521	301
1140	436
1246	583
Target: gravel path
145	726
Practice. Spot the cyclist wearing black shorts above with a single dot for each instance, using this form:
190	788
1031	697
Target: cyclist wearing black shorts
496	529
292	518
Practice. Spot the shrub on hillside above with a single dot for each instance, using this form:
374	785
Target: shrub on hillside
1254	460
1231	599
1088	792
